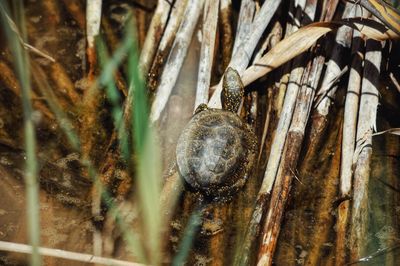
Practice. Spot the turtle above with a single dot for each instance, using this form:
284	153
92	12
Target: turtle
216	149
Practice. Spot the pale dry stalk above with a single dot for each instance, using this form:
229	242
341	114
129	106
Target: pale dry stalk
365	127
348	145
245	20
168	37
241	59
210	22
154	35
281	190
66	255
176	57
333	72
274	157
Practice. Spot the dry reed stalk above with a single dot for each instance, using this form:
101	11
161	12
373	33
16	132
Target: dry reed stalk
210	22
285	119
241	59
272	39
91	102
348	145
274	156
219	240
365	127
336	63
63	254
334	70
283	181
154	35
165	44
93	19
246	14
176	58
226	31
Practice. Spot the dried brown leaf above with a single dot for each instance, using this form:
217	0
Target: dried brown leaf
305	37
384	12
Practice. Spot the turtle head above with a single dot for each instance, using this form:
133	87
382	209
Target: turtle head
232	90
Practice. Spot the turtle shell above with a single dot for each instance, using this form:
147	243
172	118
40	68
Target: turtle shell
215	151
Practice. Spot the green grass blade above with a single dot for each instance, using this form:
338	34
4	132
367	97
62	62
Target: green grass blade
21	63
148	161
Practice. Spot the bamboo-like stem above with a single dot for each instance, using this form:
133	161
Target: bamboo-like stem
273	38
366	125
165	44
284	122
245	20
210	21
274	156
154	35
93	19
175	58
348	144
335	66
241	59
226	31
63	254
280	193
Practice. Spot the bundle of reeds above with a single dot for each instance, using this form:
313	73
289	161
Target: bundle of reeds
96	93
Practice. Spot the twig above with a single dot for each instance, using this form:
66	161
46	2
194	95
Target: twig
366	124
210	21
63	254
27	46
176	57
241	59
